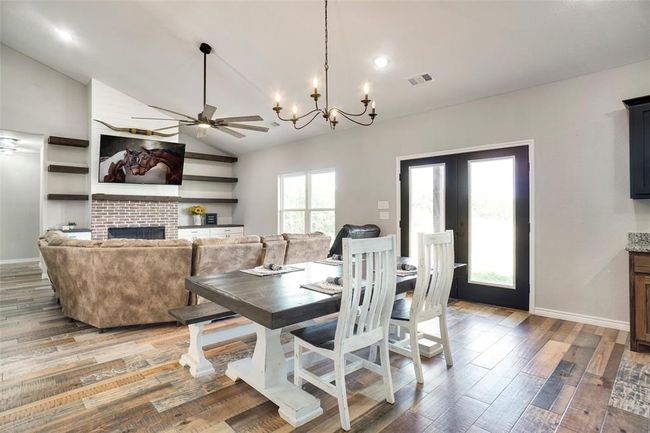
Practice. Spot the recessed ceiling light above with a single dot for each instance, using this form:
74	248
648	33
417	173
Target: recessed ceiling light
380	62
65	35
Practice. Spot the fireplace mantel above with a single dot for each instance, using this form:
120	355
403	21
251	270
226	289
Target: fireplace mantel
120	197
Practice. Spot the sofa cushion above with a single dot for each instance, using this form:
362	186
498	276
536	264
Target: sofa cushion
297	236
64	241
248	239
272	238
307	247
144	243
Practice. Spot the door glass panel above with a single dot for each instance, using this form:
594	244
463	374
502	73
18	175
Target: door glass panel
492	222
293	221
426	202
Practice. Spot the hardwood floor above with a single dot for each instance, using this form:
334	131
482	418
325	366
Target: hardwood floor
512	372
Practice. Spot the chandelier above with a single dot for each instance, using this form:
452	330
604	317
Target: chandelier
329	113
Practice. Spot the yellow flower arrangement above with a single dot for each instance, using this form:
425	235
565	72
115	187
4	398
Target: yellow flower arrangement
197	209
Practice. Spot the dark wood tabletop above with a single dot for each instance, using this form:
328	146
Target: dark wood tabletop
277	301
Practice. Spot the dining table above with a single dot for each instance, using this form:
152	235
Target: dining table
272	303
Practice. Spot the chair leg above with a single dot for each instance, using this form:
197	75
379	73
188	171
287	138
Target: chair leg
297	363
415	352
372	355
339	373
444	336
387	376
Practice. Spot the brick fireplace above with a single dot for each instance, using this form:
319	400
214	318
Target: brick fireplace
136	212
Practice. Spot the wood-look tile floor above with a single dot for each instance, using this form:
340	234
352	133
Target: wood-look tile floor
512	372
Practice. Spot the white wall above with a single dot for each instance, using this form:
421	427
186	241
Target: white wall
38	99
19	206
205	189
582	206
118	109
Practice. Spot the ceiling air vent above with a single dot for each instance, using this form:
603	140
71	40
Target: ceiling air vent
420	78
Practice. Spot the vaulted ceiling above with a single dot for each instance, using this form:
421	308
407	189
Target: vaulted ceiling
149	50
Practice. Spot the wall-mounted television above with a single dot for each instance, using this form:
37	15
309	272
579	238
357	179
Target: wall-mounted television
142	161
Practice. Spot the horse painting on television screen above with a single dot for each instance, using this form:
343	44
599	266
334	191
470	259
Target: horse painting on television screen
132	160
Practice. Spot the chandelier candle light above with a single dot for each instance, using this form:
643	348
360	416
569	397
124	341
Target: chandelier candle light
329	113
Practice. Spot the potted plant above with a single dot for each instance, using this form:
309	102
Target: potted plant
197	211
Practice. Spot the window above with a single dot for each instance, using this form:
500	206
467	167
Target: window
306	202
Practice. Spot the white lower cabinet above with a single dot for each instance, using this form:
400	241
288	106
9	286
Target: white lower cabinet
79	235
210	232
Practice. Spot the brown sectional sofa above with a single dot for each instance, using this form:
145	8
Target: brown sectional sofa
117	282
120	282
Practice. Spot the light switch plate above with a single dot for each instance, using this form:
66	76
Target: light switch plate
384	215
382	205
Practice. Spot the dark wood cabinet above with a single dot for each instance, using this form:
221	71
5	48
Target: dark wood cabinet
639	115
639	301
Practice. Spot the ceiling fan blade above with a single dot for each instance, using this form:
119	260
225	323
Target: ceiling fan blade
250	127
208	111
162	118
175	112
240	119
201	132
175	126
230	131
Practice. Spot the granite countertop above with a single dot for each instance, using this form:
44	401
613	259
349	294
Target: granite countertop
638	242
74	230
204	226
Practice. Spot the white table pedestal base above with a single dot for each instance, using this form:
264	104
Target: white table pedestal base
195	358
266	371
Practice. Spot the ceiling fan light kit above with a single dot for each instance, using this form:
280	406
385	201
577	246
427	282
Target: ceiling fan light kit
328	112
204	120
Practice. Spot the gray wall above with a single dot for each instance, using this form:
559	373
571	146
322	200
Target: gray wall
19	205
582	206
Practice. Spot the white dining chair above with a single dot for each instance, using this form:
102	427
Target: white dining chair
367	298
432	287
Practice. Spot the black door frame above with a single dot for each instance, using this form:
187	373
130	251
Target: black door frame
530	144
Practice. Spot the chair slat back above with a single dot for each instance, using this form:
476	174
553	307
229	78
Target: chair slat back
435	272
368	287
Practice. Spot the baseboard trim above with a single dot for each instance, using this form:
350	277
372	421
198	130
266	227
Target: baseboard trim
583	318
11	261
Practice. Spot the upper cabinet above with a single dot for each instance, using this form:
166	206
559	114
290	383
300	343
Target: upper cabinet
639	110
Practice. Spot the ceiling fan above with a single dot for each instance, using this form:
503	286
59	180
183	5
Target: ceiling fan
204	120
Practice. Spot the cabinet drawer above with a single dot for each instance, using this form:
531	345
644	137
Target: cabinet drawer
642	263
192	234
79	235
224	232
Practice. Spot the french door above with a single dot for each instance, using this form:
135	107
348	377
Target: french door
483	197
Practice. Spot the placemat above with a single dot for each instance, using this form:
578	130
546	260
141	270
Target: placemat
260	271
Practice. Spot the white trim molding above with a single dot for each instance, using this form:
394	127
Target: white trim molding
583	318
11	261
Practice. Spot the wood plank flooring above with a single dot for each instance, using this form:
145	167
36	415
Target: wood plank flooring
512	373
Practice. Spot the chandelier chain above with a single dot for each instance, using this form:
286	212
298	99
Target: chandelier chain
326	65
327	112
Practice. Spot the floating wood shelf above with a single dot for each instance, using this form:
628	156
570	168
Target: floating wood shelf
62	141
77	197
121	197
210	178
58	168
209	157
207	200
